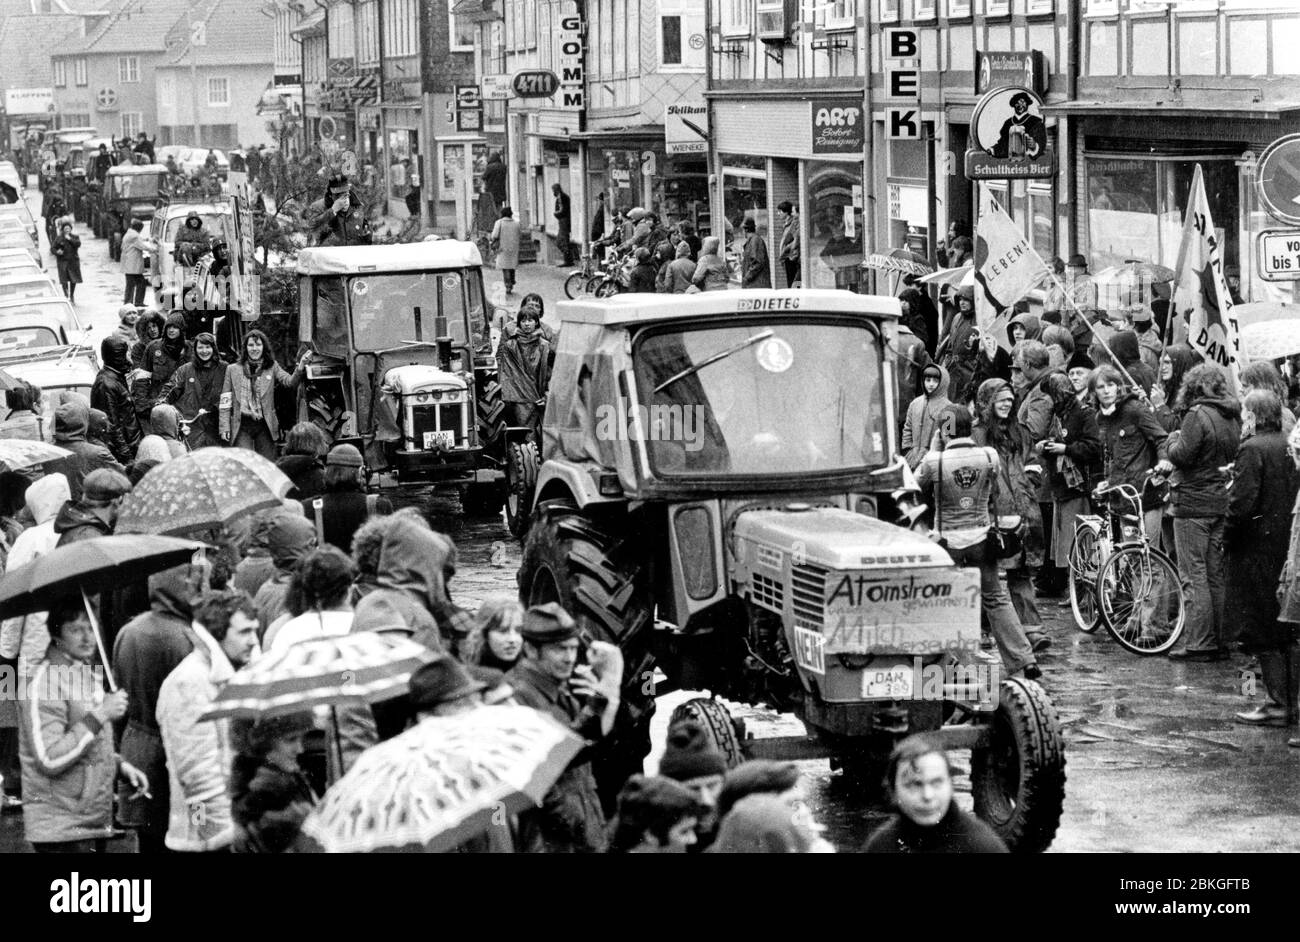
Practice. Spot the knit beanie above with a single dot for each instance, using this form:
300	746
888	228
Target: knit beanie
689	754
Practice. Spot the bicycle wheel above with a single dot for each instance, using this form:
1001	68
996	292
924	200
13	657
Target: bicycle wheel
575	285
1085	559
1141	599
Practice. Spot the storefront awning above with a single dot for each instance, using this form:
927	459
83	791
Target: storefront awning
1266	111
641	132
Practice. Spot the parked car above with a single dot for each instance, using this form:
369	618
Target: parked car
23	215
55	370
19	262
28	286
56	308
29	330
9	175
20	240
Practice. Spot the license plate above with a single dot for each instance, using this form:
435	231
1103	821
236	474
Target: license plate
439	439
888	681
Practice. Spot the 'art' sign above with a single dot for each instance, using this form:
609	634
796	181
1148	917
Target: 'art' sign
837	127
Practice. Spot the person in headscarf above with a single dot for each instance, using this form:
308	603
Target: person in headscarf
71	430
957	349
711	269
1072	462
164	441
524	364
22	419
148	328
162	358
923	414
110	395
290	538
195	388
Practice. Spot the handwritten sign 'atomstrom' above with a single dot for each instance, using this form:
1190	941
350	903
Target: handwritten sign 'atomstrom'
837	127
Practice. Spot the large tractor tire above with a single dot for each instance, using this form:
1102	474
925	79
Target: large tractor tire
596	570
491	413
1018	782
521	484
720	729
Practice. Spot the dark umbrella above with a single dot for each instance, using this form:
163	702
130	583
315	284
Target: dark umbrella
203	490
89	567
903	261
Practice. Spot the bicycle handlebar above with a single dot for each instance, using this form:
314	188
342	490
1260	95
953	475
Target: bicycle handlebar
1127	491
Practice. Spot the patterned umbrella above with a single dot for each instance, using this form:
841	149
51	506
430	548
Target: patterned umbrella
1256	311
202	490
904	261
441	782
1270	340
365	667
18	453
1131	284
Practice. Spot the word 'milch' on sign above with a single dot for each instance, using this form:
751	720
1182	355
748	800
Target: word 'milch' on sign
902	84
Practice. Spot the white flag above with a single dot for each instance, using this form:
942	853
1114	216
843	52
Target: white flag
1201	294
1006	269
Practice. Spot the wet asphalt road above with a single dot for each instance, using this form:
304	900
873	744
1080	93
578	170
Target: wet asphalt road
1154	761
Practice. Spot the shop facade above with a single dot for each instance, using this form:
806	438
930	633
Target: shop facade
805	148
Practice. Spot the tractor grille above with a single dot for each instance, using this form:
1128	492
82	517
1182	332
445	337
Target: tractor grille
808	590
767	592
448	417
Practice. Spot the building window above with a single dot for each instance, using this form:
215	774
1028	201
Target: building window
401	28
79	71
1101	8
128	69
621	21
1149	48
218	92
60	73
517	25
607	37
889	11
1103	49
737	17
1198	47
1041	6
958	9
132	123
1245	40
530	25
681	36
461	30
545	41
926	9
1286	36
367	31
961	52
997	7
670	36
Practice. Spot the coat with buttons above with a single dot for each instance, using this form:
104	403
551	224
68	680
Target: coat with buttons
239	388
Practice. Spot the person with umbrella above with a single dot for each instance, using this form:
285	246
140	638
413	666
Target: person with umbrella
145	652
224	632
69	765
95	514
585	699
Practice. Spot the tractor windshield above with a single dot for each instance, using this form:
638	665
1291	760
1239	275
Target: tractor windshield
133	186
760	398
383	308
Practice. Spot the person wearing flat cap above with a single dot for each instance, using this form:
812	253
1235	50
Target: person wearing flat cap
583	697
444	687
345	505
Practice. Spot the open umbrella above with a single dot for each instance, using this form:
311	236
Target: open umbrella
205	489
441	782
952	277
19	453
903	261
1256	311
365	667
1270	340
86	568
1130	284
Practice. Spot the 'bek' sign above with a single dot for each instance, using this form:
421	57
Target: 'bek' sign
902	84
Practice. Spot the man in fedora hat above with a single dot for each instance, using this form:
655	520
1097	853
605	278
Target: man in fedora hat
585	698
1023	134
444	687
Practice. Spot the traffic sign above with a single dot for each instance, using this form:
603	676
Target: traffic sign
1279	254
1277	179
535	83
496	87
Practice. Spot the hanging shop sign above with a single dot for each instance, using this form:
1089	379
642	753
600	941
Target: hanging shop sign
1026	69
686	127
902	85
837	127
1009	137
573	81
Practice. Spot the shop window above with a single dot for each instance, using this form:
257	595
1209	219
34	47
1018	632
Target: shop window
1149	48
1246	40
1286	39
1042	220
834	224
744	195
1103	49
1135	207
1198	47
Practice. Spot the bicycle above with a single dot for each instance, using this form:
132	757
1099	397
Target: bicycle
1127	585
578	282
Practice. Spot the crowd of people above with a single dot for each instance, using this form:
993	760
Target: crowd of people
1031	423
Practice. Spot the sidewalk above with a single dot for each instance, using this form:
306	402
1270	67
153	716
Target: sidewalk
546	280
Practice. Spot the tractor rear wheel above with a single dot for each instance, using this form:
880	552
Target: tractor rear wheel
720	729
1018	782
596	570
491	413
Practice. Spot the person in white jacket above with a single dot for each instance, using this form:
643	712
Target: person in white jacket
224	633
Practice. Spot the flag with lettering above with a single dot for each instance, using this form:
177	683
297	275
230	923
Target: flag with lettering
1201	295
1006	269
